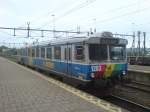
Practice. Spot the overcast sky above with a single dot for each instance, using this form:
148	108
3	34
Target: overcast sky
121	16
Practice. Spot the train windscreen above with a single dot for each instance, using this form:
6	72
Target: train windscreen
97	52
117	53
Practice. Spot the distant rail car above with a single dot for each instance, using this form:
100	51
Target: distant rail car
96	58
140	60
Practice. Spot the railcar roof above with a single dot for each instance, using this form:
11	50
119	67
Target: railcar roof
70	40
79	39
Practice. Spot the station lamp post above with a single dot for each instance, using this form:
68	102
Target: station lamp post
53	25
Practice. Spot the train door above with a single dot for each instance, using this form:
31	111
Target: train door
30	56
68	59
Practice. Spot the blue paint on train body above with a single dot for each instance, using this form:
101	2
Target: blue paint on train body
81	71
76	70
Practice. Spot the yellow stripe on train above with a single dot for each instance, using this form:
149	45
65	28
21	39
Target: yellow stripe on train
108	70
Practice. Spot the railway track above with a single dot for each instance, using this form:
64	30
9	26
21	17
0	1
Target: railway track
140	86
127	100
124	102
127	104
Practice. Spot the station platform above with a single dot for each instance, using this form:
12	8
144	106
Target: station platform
139	73
25	90
139	68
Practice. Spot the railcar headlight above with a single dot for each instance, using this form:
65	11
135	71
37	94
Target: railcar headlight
92	75
123	72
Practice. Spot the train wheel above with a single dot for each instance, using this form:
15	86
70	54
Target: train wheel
109	83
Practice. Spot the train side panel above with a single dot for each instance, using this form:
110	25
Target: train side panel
79	70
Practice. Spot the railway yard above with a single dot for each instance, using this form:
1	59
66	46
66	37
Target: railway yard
132	96
75	56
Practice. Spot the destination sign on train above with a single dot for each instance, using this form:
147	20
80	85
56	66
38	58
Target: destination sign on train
109	41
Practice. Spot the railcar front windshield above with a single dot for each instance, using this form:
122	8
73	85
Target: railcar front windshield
102	53
117	53
97	52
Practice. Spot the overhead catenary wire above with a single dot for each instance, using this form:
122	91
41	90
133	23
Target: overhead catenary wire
42	16
82	5
126	14
38	18
118	9
111	19
6	33
70	11
103	21
85	4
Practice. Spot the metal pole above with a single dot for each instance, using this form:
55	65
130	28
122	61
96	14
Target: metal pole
28	28
144	34
14	32
133	45
139	41
94	25
53	25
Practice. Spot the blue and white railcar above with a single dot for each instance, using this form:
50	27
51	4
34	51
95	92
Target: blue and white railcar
87	58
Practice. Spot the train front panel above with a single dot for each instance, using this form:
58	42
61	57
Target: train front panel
108	71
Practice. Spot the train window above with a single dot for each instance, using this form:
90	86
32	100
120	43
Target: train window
29	52
33	52
70	54
43	52
79	52
26	52
117	53
49	53
57	52
67	54
18	52
21	52
97	52
37	52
